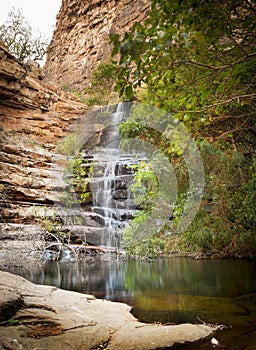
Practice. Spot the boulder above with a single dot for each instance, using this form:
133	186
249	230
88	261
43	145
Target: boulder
50	318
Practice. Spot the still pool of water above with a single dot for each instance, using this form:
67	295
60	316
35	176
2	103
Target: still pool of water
171	290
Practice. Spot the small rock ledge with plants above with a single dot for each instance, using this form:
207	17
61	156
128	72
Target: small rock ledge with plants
44	317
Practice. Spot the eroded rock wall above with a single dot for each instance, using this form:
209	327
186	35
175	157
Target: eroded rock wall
34	116
81	38
35	113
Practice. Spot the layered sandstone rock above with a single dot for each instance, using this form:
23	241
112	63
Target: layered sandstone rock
29	106
81	39
34	116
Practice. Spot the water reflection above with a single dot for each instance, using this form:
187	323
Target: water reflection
173	290
102	276
219	278
110	279
174	284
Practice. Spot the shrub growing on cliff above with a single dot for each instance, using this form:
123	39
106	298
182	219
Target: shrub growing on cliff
101	90
18	36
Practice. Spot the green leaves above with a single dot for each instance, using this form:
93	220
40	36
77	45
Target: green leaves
129	92
196	60
77	174
102	85
188	56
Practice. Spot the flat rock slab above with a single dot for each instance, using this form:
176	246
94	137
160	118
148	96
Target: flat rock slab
51	318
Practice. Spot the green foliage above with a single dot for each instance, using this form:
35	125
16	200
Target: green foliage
18	36
101	90
142	239
145	122
69	145
77	175
197	62
145	186
78	94
225	224
13	321
146	236
247	193
45	216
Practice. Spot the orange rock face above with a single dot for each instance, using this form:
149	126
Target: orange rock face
34	116
81	39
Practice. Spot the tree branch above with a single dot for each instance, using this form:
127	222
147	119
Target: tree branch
240	97
220	68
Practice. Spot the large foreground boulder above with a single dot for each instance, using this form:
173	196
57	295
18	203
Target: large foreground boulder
45	317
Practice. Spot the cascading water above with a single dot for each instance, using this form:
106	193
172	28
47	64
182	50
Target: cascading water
113	174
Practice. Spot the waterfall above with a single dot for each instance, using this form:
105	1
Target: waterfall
112	176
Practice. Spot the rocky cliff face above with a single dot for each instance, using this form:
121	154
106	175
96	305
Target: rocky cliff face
34	116
81	38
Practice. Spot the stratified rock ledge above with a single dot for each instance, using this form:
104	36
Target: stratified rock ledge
51	318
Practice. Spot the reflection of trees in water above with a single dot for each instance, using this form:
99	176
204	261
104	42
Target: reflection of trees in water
32	272
99	276
77	276
179	290
194	277
172	277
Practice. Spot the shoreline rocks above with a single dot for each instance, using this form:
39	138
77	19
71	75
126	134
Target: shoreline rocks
51	318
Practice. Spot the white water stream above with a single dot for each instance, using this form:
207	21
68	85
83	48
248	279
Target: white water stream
111	180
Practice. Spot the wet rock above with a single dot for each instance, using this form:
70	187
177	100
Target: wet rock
122	182
85	234
120	194
125	170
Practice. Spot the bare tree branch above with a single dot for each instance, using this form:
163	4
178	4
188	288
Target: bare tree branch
18	36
